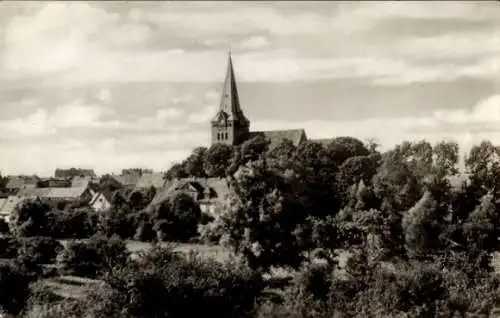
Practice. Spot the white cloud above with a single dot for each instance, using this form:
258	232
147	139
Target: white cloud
42	123
80	43
168	113
396	130
202	116
105	95
254	42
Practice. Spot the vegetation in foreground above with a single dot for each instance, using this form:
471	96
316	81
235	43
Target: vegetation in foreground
421	244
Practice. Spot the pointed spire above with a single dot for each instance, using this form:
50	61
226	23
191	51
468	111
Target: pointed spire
230	102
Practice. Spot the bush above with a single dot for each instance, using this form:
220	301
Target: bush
93	257
8	246
42	250
14	288
165	284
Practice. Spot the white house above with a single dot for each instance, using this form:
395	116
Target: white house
101	201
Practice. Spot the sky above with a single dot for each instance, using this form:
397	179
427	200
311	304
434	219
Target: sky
112	85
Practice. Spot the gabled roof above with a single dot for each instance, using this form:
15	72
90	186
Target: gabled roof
217	185
17	182
52	193
31	192
11	203
80	182
148	180
62	193
127	180
108	195
275	137
72	172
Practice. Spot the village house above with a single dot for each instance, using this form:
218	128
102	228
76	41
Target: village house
148	180
208	192
7	206
74	172
102	200
15	183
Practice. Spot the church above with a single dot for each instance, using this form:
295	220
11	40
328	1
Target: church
231	126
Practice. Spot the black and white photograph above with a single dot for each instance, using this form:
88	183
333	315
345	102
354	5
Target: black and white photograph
249	159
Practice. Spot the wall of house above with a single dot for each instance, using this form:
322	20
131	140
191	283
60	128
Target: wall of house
101	204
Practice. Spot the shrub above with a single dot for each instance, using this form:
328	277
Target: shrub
8	246
93	257
14	288
165	284
42	250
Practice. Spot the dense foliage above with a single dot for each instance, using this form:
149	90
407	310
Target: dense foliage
368	233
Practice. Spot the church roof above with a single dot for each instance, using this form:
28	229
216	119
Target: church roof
230	102
275	137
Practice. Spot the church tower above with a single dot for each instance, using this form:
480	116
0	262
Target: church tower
229	125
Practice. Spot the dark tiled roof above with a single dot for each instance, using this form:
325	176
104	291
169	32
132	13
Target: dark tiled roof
80	182
150	180
19	182
108	195
73	172
277	136
129	180
217	185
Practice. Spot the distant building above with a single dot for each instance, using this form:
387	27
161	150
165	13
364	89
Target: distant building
74	172
136	171
148	180
69	194
102	201
231	126
126	181
7	205
54	183
207	192
15	183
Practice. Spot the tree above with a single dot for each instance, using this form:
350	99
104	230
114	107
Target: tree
176	171
94	257
254	148
262	220
194	163
41	250
445	155
313	180
177	219
217	159
14	288
342	148
422	226
31	218
484	165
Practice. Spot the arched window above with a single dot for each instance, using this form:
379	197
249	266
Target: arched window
225	135
218	136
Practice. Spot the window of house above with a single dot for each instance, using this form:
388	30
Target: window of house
218	136
226	135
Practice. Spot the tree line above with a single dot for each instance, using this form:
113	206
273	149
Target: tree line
420	245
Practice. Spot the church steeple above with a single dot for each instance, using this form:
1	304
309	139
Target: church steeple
230	125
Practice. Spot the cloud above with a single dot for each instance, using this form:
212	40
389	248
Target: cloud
202	116
42	123
81	43
467	127
168	113
105	96
254	42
